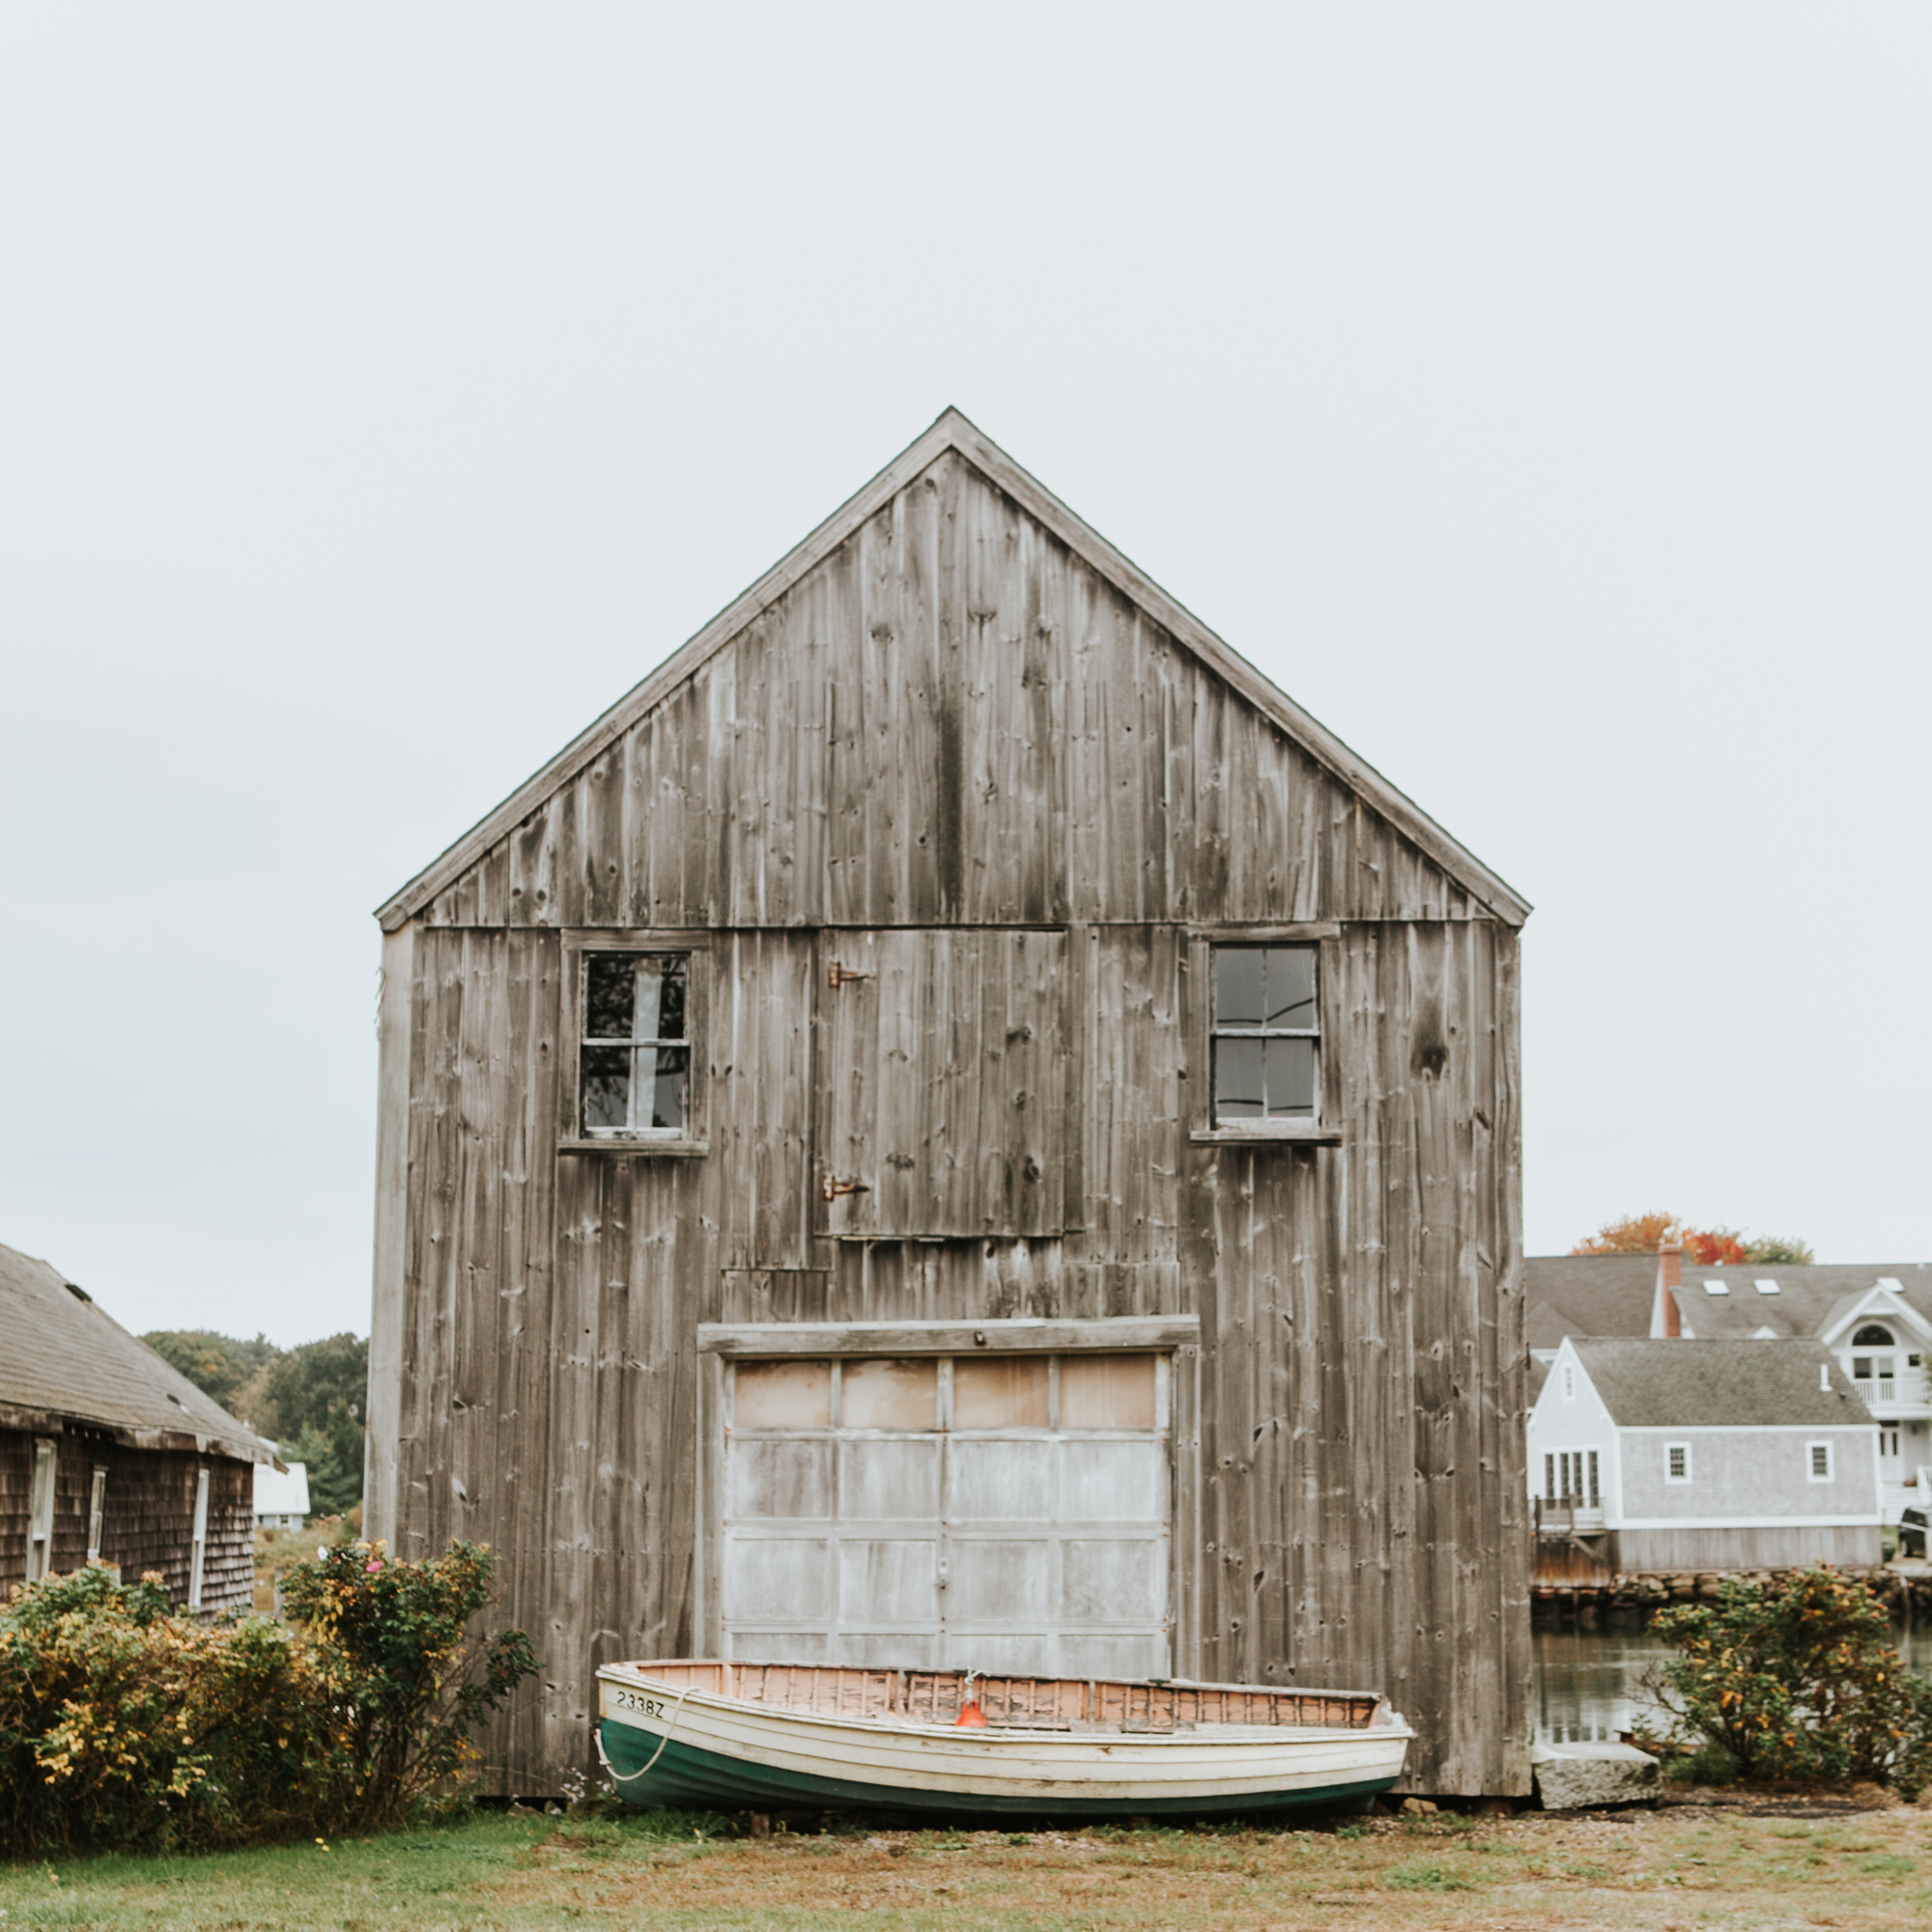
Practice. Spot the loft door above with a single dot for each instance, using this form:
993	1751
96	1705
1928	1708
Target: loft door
1004	1513
942	1084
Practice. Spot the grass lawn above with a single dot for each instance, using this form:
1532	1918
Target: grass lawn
1687	1866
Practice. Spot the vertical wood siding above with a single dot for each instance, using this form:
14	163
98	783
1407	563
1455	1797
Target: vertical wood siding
953	723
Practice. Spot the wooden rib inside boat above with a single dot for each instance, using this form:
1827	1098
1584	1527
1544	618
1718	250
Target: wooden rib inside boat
734	1735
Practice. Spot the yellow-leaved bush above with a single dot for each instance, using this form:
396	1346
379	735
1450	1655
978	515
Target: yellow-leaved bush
126	1726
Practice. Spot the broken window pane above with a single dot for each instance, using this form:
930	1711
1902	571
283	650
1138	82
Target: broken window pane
1290	977
782	1395
1106	1391
1237	986
1290	1079
1239	1094
1000	1392
888	1394
663	1072
609	982
667	996
607	1088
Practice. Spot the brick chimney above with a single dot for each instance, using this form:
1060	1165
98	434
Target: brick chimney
1668	1320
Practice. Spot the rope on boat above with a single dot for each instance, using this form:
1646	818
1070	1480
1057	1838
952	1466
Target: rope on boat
631	1776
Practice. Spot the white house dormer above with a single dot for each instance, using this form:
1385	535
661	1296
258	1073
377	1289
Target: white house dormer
1573	1446
1882	1343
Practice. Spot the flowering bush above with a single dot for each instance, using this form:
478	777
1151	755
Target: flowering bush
124	1726
1795	1680
406	1688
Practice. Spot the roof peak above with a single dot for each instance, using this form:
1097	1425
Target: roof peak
953	429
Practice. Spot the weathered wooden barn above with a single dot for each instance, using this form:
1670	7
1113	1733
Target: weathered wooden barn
955	1123
109	1454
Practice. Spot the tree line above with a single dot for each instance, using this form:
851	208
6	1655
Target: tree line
309	1400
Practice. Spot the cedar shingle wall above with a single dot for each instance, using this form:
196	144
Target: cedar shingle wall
149	1518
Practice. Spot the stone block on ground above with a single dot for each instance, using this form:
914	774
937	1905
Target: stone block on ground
1579	1778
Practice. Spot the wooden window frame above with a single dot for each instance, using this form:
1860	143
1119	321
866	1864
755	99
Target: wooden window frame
695	1141
96	1512
1811	1471
1177	1336
1198	994
42	1479
1671	1449
197	1553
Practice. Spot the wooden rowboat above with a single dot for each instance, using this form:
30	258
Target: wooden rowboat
740	1736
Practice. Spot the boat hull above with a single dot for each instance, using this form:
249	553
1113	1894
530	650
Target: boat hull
666	1745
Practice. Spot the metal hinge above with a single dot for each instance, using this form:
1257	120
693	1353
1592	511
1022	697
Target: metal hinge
833	1189
838	977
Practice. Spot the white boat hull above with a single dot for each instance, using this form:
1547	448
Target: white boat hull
670	1740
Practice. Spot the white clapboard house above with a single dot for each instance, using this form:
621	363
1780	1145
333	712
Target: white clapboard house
1706	1455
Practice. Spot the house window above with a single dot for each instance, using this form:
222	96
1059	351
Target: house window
1818	1462
41	1511
1266	1034
635	1055
1873	1336
96	1513
1677	1462
1570	1476
1568	1382
198	1546
1888	1443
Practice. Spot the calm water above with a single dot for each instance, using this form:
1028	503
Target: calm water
1589	1683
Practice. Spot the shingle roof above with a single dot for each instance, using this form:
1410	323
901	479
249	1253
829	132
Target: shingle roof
63	1358
1807	1298
1676	1385
1586	1294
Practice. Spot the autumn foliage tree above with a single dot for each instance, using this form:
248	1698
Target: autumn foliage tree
1706	1247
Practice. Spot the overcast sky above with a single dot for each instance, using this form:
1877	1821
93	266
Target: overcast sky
1540	395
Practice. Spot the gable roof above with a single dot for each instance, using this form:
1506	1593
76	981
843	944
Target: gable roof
1586	1294
1809	1300
952	432
1678	1385
63	1358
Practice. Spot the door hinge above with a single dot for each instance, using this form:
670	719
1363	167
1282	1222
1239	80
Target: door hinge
833	1189
838	977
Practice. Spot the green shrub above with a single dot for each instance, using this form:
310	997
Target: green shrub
1796	1681
124	1726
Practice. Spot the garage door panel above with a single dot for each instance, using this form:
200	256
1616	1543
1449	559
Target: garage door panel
887	1581
889	1480
779	1478
1111	1481
1007	1482
780	1577
1112	1580
1105	1654
999	1577
891	1650
1000	1652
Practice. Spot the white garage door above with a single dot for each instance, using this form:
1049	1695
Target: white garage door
1004	1513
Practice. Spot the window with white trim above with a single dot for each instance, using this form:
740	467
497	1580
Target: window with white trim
1818	1462
1267	1035
198	1547
40	1510
96	1513
1677	1462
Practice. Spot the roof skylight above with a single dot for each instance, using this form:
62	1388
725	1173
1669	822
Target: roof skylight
1765	1285
1717	1288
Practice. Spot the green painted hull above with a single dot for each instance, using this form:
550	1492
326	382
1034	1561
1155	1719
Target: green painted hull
705	1781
